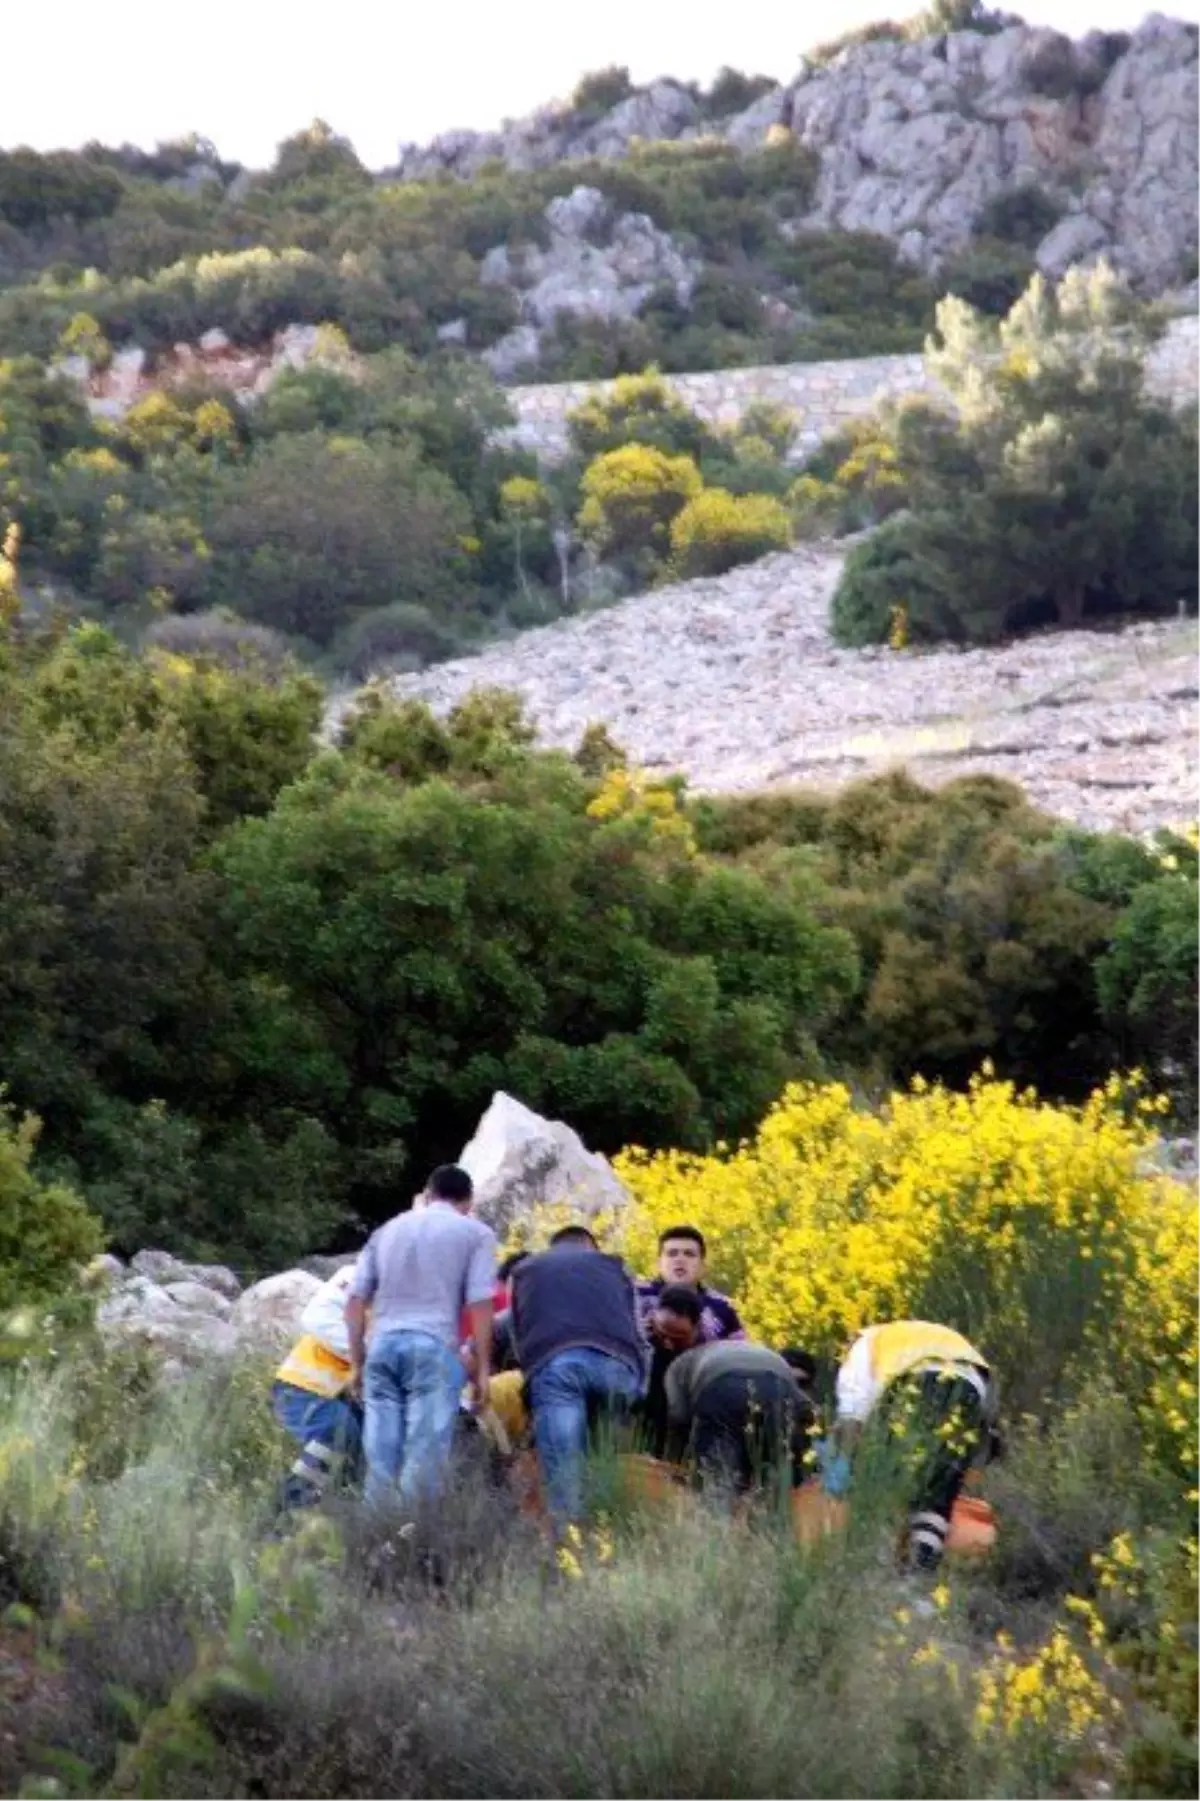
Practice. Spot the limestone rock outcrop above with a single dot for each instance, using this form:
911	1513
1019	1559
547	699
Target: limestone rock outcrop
916	138
596	266
192	1312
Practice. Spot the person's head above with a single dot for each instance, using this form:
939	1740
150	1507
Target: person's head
505	1272
576	1238
681	1251
676	1319
450	1183
802	1364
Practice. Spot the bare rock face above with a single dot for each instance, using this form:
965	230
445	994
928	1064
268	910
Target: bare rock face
921	136
915	138
595	267
520	1161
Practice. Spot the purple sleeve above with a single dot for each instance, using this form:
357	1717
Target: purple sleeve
724	1316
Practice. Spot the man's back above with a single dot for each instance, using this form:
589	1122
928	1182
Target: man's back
568	1298
692	1372
421	1268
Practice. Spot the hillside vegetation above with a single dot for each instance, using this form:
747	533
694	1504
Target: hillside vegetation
249	985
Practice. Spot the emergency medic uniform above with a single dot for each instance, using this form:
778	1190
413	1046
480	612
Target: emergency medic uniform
930	1386
311	1398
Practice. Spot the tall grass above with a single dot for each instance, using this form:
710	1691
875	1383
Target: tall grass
174	1643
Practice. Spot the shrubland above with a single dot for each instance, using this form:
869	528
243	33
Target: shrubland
364	517
164	1637
316	239
227	952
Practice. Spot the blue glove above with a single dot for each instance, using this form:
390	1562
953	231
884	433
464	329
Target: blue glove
835	1469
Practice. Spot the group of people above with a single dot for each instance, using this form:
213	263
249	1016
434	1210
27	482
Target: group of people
426	1338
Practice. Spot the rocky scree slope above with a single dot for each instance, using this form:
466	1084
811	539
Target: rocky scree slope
916	138
737	683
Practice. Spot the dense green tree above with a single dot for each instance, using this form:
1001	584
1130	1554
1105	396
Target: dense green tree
1147	977
1062	491
973	935
314	530
433	941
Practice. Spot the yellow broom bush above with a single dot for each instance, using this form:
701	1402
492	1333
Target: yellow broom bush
1034	1228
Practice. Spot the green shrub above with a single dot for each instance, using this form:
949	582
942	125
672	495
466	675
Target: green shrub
398	637
1052	68
638	409
989	274
881	577
596	94
716	531
37	189
46	1231
1147	978
732	92
1021	215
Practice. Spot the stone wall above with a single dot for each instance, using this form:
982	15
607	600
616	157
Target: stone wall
823	396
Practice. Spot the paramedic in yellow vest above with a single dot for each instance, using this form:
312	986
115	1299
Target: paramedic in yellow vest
312	1400
930	1389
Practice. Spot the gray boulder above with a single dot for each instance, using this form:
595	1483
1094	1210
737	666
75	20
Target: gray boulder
165	1268
197	1297
268	1314
1072	240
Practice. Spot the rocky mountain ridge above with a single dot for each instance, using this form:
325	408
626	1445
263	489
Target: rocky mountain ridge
916	138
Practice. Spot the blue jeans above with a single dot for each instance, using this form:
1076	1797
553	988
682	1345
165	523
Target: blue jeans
411	1388
563	1391
328	1429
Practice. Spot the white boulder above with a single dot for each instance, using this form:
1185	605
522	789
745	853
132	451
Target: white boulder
269	1312
520	1161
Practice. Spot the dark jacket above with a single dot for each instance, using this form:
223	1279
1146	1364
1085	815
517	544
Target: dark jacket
569	1297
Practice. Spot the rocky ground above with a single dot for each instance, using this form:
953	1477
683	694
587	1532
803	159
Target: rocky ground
737	683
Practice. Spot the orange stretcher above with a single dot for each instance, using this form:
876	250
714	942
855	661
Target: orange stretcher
814	1513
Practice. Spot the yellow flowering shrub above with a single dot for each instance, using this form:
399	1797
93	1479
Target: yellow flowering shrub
629	793
631	495
717	530
1054	1693
1022	1223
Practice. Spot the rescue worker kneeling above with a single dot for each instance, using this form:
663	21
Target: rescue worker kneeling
930	1393
736	1404
311	1398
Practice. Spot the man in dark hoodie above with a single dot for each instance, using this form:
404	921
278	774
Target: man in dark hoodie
578	1339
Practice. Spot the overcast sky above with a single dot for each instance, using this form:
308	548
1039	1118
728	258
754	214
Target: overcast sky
246	73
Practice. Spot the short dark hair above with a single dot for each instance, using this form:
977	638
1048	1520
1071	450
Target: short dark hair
802	1363
574	1235
509	1265
450	1183
684	1301
692	1233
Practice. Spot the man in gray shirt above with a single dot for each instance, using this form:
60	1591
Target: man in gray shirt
417	1273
